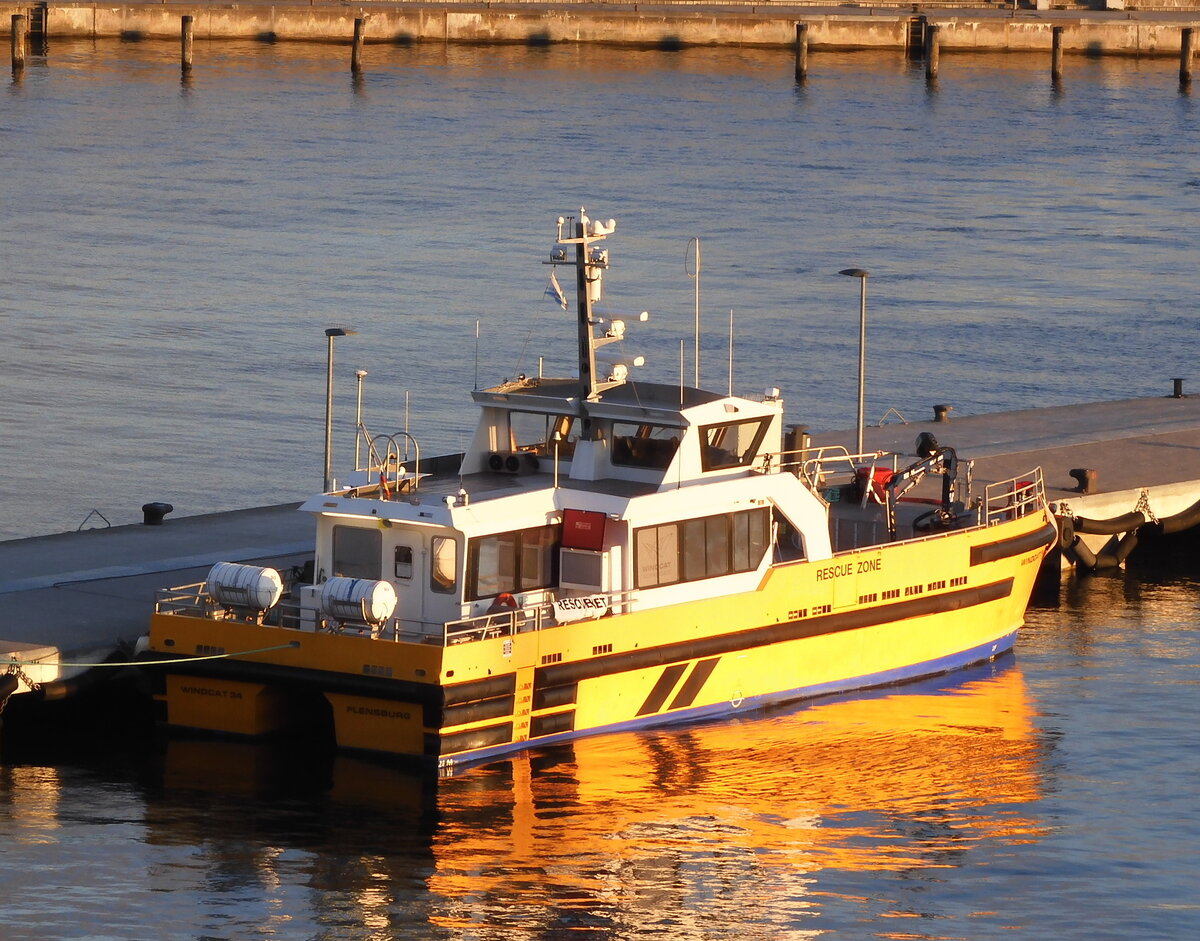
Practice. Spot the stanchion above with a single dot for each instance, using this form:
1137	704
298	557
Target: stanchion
801	51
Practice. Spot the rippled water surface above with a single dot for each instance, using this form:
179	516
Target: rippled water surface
172	252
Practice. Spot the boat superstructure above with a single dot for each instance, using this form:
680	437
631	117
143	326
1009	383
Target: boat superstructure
607	553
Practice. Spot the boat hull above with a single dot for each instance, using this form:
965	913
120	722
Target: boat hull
863	618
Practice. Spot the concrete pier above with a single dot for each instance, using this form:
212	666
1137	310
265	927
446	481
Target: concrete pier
967	27
75	599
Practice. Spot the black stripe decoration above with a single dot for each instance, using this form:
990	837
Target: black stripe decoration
1017	545
662	689
561	674
694	683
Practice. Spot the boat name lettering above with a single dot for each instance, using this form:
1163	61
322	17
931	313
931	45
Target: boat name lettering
209	691
381	713
371	669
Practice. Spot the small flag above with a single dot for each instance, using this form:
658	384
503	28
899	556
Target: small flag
554	290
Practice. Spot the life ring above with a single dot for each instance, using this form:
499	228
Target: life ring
506	600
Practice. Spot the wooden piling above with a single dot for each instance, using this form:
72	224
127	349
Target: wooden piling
20	25
1187	46
1056	53
356	49
932	51
801	51
186	30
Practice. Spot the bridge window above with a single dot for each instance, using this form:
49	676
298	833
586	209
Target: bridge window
706	547
443	569
731	444
651	446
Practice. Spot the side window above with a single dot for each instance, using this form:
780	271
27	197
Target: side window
706	547
357	553
403	566
651	446
515	561
443	566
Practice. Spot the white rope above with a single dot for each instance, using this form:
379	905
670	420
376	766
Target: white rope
142	663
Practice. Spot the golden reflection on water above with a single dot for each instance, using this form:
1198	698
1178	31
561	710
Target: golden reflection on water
646	822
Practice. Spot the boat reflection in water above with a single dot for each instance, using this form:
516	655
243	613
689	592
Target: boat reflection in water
731	822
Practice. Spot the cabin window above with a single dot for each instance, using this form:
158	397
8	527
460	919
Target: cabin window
516	561
535	432
403	566
731	444
443	569
651	446
357	553
690	550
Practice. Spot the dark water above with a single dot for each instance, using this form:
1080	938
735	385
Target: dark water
171	254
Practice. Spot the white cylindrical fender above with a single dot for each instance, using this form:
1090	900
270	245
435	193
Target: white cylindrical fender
244	586
358	599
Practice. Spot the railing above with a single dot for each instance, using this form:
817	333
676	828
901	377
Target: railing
1009	499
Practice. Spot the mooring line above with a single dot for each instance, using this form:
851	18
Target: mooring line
142	663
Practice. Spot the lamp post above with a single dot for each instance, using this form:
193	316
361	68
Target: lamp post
360	375
862	346
330	334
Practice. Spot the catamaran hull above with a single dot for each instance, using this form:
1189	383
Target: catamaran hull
861	619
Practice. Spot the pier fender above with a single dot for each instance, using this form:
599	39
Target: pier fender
8	686
1118	524
1114	553
1177	523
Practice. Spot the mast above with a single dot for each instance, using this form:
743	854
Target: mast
590	263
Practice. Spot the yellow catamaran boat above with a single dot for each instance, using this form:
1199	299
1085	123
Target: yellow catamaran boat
607	554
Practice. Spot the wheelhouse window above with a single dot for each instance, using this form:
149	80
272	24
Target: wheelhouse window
707	547
403	564
731	444
516	561
538	433
357	553
652	446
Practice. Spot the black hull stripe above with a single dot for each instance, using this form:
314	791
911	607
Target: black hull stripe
694	683
1018	545
662	689
562	674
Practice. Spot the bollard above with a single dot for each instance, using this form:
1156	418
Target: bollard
186	30
1177	390
1056	53
801	51
1086	479
931	51
19	24
1187	45
942	412
153	513
356	48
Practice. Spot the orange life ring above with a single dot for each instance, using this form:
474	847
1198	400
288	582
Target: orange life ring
506	600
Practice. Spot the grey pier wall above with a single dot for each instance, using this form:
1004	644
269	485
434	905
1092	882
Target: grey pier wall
669	25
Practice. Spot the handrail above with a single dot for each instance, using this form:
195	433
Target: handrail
1017	496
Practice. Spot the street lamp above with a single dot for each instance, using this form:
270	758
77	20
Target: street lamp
862	346
331	333
360	375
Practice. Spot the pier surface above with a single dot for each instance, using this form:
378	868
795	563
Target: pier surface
80	597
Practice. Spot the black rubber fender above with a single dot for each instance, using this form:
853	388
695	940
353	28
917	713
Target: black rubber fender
1118	524
8	686
1180	521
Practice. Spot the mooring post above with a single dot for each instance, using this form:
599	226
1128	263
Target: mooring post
1056	53
20	22
356	49
931	51
1187	46
186	29
801	51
